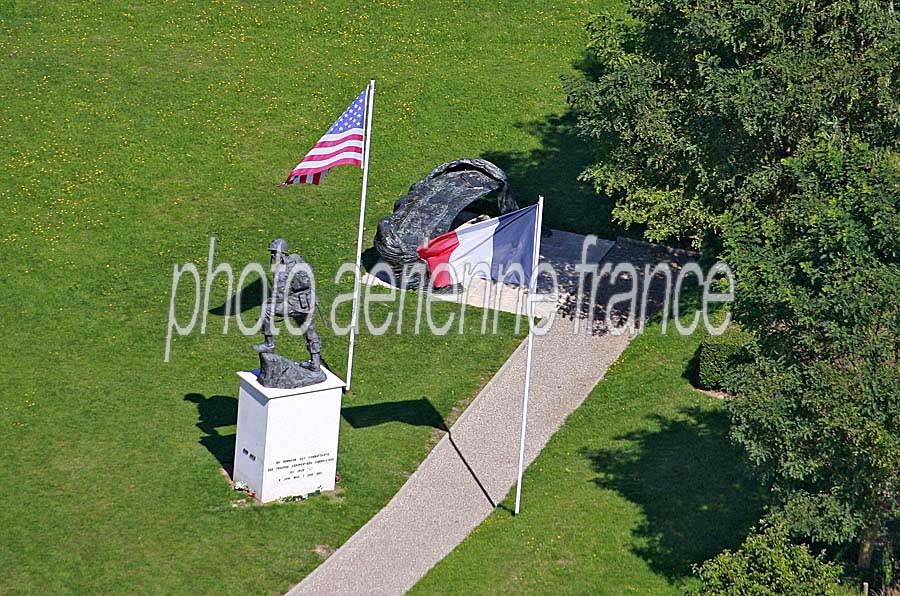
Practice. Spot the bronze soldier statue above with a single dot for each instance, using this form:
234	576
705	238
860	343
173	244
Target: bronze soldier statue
290	268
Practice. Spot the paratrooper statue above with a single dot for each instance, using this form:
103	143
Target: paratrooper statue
293	296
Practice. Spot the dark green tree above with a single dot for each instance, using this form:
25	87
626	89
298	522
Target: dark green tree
694	103
768	131
817	402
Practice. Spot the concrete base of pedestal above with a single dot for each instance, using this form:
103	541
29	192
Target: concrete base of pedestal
287	439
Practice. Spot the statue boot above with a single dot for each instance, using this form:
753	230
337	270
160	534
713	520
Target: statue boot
266	347
314	346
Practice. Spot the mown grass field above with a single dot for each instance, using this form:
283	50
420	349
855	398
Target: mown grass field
131	133
641	483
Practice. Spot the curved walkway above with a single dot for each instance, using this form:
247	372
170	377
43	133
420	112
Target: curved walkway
473	467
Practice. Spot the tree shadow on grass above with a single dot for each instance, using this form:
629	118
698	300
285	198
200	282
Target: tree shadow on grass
552	170
215	412
690	481
691	371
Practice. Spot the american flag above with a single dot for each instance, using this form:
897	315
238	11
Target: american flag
341	145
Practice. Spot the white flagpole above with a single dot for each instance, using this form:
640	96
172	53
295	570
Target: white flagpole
536	255
370	99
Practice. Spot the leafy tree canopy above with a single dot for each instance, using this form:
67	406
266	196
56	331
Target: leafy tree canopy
818	400
769	131
695	103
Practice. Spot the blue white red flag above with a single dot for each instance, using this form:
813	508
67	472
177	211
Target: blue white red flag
341	145
495	247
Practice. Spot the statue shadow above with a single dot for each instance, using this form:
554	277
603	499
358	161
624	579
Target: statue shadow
416	412
247	298
215	412
696	495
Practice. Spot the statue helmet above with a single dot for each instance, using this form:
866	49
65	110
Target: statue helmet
279	245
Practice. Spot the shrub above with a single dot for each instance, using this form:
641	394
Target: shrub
767	564
715	353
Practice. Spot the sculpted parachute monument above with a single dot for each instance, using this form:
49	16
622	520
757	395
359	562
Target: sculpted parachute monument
432	205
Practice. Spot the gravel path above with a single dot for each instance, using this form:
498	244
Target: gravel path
473	467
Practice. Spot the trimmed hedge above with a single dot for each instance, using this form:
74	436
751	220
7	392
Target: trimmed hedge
716	351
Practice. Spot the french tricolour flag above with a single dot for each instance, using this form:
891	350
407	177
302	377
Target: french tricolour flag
495	245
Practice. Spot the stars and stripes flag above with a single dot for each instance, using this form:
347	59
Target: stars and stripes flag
341	145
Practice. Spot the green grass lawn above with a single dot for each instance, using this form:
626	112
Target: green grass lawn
640	483
131	133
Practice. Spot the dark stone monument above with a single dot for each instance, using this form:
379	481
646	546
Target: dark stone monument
431	206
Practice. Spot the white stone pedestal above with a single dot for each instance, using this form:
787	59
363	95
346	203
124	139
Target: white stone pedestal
287	439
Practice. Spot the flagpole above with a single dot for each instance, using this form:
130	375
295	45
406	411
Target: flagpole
370	100
536	255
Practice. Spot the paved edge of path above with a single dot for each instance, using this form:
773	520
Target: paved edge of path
469	471
320	580
473	467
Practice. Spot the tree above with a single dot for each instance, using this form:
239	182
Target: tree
817	401
767	564
768	131
694	103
